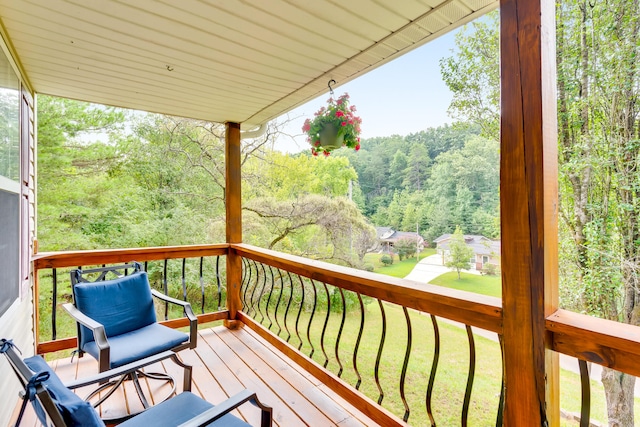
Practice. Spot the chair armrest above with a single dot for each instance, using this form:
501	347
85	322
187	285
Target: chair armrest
188	311
210	415
99	335
122	370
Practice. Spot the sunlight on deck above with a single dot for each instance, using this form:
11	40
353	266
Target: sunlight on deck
224	363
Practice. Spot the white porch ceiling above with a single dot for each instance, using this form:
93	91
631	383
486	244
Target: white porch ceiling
245	61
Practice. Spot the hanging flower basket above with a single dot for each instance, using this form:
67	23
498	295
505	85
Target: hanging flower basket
334	126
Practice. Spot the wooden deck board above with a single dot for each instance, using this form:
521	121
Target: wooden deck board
226	362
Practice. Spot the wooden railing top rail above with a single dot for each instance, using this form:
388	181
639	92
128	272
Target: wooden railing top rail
110	256
605	342
473	309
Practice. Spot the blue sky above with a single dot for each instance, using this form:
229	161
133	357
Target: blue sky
404	96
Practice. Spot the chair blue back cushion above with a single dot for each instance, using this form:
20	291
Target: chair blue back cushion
74	410
121	305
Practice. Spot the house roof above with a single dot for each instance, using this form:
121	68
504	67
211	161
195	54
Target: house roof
481	245
241	61
387	234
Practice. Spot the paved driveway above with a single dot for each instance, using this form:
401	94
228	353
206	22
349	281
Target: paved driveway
429	268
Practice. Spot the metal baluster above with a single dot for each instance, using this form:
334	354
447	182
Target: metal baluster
202	284
218	281
54	303
434	367
281	277
355	351
264	285
324	327
470	377
300	312
344	317
273	284
246	279
313	310
286	311
166	290
585	410
501	404
146	264
184	279
379	356
255	286
403	375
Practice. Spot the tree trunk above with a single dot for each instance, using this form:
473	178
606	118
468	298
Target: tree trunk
620	392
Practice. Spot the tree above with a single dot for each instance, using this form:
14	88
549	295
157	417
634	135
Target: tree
459	252
599	153
473	75
313	226
406	247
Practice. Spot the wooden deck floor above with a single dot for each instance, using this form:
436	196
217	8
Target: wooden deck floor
224	363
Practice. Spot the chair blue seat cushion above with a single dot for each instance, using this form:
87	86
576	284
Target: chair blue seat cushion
120	305
138	344
74	410
178	410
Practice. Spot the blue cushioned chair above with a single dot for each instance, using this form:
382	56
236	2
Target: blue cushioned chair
117	322
56	404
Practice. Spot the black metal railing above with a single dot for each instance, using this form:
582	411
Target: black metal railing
330	324
199	280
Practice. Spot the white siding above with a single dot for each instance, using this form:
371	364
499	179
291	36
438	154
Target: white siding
16	324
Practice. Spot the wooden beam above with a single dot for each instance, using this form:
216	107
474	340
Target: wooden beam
601	341
466	307
528	196
112	256
359	400
233	203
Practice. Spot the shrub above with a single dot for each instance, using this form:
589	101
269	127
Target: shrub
386	259
368	267
489	269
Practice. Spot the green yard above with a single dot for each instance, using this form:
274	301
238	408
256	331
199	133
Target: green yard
485	285
398	268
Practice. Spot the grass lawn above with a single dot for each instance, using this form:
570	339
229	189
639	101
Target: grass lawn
451	376
485	285
398	268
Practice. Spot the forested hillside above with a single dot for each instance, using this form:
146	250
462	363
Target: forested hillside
109	178
434	180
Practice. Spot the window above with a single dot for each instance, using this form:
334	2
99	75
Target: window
9	185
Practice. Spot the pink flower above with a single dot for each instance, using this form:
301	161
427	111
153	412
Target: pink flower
358	146
352	108
344	123
307	126
317	143
326	153
314	152
339	113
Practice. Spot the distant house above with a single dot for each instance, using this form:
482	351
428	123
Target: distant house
387	237
486	251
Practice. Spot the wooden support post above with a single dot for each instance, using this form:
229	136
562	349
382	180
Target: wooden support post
233	203
529	198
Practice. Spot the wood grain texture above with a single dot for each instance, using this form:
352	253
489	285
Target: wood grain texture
233	203
226	362
470	308
112	256
528	203
601	341
367	406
